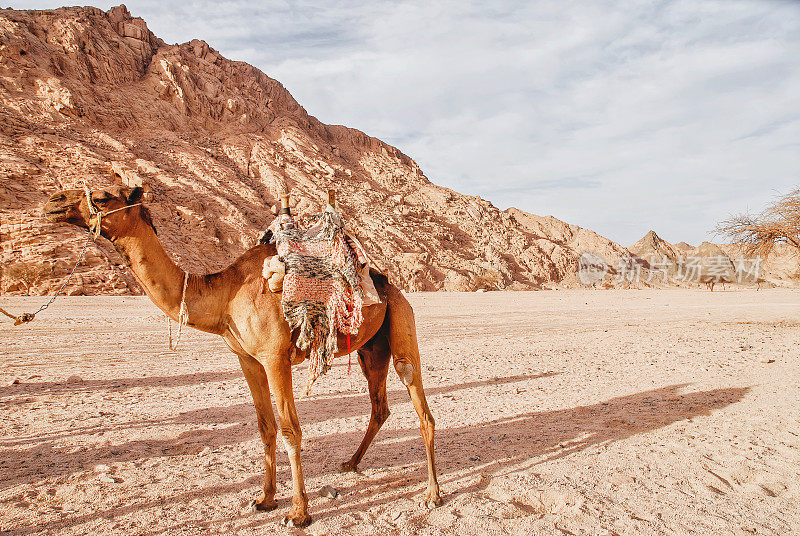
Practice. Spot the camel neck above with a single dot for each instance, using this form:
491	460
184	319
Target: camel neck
162	279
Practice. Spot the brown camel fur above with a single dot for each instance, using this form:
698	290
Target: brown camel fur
230	304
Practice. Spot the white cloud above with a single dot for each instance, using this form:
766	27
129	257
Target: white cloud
620	117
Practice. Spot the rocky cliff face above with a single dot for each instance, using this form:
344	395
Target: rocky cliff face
94	95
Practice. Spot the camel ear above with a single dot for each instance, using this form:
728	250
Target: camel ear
266	238
136	195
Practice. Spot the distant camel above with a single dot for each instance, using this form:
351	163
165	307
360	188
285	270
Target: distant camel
709	282
230	304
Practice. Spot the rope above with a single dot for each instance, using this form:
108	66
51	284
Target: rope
95	223
92	209
27	317
183	316
349	354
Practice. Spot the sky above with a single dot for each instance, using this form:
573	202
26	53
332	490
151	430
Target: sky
616	116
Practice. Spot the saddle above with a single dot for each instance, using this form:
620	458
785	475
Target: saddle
323	275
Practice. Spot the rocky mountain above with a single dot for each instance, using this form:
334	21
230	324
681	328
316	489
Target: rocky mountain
93	95
652	247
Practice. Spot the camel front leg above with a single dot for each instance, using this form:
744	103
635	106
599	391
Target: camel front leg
279	373
256	378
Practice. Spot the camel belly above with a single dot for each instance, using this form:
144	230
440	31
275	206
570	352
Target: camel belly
373	320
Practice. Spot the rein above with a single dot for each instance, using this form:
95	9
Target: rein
93	233
94	223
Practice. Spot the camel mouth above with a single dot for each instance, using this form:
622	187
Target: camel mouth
56	207
54	214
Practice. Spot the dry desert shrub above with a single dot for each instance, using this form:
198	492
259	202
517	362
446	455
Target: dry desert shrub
26	273
489	279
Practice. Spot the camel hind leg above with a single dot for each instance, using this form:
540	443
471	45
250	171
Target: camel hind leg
405	351
374	359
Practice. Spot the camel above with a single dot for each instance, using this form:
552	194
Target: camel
230	304
710	281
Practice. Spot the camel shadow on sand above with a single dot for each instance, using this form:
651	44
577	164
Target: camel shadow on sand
27	389
236	422
520	441
490	448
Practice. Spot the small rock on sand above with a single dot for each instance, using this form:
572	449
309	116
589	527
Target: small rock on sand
74	379
102	468
329	492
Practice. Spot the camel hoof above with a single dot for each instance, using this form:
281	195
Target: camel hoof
348	467
433	500
263	505
296	521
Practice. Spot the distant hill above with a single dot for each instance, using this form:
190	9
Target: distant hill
88	94
651	245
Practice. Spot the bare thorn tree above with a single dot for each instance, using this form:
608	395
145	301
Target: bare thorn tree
778	224
26	273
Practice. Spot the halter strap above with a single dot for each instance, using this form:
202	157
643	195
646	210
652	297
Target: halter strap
92	209
96	221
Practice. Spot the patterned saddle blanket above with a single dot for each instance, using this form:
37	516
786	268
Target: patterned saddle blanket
323	291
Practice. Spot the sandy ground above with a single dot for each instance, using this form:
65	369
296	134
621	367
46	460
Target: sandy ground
561	412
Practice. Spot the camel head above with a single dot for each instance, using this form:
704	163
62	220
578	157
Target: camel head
72	206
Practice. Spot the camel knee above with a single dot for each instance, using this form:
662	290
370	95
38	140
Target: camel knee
405	371
428	422
291	441
266	425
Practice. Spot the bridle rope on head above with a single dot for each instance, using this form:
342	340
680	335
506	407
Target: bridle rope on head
96	219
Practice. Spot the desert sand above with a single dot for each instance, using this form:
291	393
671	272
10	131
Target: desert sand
560	412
